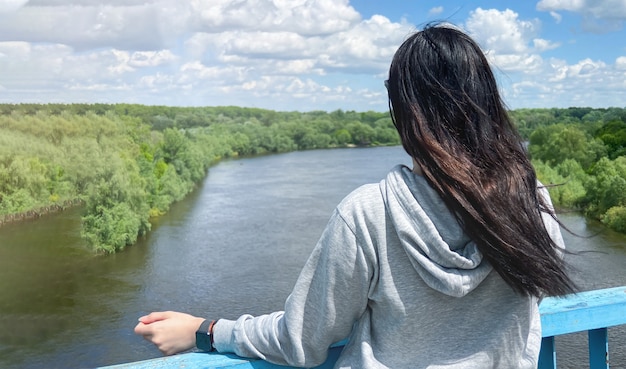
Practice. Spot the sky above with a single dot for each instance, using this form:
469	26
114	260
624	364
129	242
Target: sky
299	55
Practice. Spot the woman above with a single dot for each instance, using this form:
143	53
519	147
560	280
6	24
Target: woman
441	265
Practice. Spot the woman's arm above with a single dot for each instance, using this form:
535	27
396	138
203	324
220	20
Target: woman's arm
330	294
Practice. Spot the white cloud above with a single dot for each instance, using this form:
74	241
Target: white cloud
557	17
258	44
585	83
501	31
200	45
279	54
121	67
509	42
9	6
599	16
196	71
540	44
514	47
147	26
365	48
99	87
435	11
601	9
89	2
295	67
559	70
157	82
320	17
525	63
151	58
569	5
16	49
25	62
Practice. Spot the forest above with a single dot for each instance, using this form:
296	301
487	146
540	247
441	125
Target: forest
126	163
581	152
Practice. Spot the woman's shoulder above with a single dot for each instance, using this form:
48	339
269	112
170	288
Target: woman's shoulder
364	196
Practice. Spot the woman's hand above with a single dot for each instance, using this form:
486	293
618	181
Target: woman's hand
170	331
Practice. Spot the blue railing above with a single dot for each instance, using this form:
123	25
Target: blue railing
591	311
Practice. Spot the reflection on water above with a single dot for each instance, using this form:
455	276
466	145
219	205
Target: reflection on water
234	246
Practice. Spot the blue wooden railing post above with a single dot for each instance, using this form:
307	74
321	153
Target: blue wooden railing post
598	348
547	356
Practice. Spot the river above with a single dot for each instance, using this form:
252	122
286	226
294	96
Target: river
234	246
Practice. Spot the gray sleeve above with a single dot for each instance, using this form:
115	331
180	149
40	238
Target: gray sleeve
330	294
552	226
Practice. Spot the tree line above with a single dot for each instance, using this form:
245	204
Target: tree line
582	152
128	163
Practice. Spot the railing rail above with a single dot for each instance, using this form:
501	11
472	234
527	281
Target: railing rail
591	311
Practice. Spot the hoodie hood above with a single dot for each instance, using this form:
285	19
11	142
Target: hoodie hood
441	253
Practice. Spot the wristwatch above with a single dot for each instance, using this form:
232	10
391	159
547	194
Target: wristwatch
204	336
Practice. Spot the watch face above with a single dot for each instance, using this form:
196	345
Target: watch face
203	337
203	341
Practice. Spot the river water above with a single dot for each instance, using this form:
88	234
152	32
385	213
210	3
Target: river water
234	246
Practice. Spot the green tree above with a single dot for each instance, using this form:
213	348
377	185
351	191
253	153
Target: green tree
116	210
362	134
613	135
342	137
615	218
605	188
555	144
565	182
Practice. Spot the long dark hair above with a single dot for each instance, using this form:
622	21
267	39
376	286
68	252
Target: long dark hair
445	104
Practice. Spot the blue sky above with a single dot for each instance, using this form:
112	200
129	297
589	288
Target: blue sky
297	54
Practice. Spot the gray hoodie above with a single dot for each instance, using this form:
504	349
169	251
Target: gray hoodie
395	274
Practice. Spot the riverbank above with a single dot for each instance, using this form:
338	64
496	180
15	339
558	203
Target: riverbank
39	212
